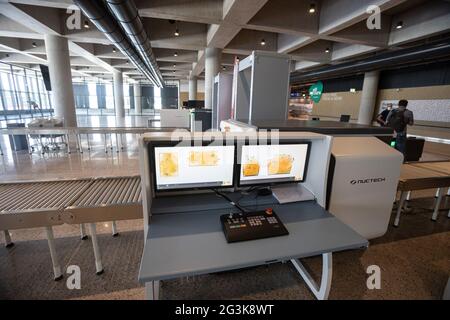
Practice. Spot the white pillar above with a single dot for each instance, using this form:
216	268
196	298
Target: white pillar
368	97
119	103
212	67
58	58
193	88
137	98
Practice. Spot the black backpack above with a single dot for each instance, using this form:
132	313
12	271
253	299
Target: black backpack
397	121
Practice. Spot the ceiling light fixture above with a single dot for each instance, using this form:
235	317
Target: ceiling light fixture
177	32
34	44
327	50
86	24
399	25
224	68
114	50
174	65
312	8
175	54
263	42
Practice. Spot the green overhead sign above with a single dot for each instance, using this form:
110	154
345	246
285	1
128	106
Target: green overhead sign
315	91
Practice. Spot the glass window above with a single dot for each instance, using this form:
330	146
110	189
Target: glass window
109	96
93	102
157	98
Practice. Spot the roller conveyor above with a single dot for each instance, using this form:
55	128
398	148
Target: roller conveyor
51	195
107	199
111	191
50	203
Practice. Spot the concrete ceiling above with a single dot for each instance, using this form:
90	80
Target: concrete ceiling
336	31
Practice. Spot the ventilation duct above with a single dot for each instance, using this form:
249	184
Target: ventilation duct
424	53
127	15
100	16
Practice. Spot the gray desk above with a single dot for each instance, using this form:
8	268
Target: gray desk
191	243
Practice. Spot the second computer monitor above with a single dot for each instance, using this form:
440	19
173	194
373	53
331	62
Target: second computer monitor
272	164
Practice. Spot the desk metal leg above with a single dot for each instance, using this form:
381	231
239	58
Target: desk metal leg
152	290
51	245
69	151
83	234
321	291
8	241
106	145
98	259
80	143
88	142
440	194
408	196
401	202
114	229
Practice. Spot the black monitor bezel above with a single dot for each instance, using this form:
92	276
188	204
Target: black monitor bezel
204	143
284	142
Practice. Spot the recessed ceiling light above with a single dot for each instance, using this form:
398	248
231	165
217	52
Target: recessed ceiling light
177	32
399	25
312	8
263	42
34	44
327	50
174	65
86	24
175	54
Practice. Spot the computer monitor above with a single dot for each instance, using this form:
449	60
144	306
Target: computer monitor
272	164
180	167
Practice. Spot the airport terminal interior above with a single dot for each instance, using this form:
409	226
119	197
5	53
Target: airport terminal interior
225	149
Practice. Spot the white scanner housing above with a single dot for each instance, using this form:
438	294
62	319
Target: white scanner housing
362	184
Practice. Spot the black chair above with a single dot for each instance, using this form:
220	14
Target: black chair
345	118
414	149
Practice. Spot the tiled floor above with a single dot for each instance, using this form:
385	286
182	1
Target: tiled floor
414	260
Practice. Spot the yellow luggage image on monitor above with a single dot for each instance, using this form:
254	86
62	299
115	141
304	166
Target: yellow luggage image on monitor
168	164
251	169
203	158
280	165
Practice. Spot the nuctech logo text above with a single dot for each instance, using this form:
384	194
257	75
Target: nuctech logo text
365	181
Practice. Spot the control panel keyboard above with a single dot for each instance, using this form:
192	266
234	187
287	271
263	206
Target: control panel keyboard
252	226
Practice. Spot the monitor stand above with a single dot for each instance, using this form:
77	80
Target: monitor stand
264	192
294	192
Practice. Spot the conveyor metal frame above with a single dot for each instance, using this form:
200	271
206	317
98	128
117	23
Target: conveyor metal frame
426	177
79	201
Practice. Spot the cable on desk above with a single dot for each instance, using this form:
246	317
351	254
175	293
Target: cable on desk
242	209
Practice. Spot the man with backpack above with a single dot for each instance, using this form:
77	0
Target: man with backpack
399	119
